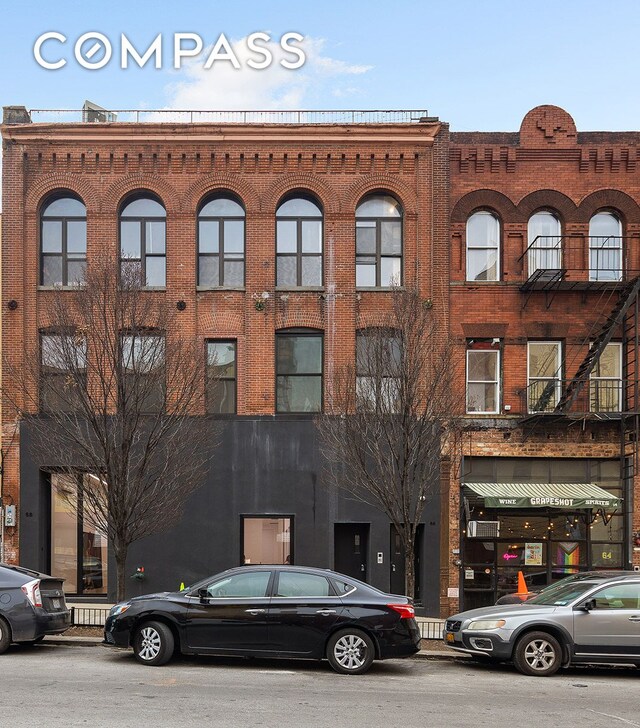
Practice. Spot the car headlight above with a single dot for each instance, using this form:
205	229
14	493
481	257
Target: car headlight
481	624
119	609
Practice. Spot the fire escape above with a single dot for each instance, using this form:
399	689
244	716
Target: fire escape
596	267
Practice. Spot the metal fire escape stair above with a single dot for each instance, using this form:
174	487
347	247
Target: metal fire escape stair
615	319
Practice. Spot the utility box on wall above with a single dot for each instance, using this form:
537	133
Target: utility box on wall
10	516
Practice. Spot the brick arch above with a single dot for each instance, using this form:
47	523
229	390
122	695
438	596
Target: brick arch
485	199
158	186
548	200
609	199
288	183
372	319
211	182
62	181
221	323
291	317
405	194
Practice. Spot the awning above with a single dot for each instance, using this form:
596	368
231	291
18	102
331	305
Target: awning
545	495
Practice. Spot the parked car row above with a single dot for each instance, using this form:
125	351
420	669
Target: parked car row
306	613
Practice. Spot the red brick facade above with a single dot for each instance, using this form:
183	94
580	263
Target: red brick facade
547	166
439	179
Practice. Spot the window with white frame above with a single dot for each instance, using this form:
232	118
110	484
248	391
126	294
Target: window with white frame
483	247
605	386
544	367
545	242
605	247
483	377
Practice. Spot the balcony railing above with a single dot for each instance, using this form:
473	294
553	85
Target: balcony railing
599	399
176	116
575	261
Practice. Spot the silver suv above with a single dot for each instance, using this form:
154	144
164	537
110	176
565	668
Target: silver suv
584	621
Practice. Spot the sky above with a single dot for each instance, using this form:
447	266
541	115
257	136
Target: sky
478	64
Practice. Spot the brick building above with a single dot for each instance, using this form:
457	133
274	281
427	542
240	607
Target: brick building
253	228
527	243
545	254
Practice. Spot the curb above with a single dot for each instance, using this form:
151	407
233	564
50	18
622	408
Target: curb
440	655
72	641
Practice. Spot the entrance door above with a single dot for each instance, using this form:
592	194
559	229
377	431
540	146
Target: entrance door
396	563
351	548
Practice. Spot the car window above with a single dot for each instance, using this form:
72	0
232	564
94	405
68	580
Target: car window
247	584
298	584
562	595
343	587
618	596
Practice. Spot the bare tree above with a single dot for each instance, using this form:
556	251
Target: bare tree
393	416
114	396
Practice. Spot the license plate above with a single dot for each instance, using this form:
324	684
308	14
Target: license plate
56	603
450	637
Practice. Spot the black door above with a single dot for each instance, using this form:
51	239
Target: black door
351	548
396	562
234	615
303	611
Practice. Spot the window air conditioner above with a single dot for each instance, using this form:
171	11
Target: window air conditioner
483	529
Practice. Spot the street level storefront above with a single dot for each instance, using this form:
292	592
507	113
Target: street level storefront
545	517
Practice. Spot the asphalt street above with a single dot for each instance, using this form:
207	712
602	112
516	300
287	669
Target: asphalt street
55	685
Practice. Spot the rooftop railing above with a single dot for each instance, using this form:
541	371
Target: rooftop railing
174	116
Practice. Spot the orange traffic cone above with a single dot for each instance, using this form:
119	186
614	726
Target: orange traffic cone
522	584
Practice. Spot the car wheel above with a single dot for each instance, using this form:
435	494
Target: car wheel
5	636
538	653
350	652
153	643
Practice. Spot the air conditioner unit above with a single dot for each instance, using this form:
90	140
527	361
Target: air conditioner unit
483	529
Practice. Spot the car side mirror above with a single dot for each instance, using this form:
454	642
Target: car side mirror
588	605
203	594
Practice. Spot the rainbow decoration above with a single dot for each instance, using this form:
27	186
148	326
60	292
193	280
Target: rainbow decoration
568	554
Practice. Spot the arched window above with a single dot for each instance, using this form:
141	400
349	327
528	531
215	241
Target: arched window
63	242
221	240
378	242
483	247
299	243
143	225
605	247
545	242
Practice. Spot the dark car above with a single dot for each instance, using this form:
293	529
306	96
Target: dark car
32	605
269	611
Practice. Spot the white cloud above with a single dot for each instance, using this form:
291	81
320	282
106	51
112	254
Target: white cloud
226	88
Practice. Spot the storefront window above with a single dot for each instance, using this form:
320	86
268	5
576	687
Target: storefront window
606	555
78	545
545	544
267	540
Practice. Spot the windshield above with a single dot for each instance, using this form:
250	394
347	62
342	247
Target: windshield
560	596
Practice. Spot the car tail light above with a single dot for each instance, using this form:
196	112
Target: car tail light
32	590
406	611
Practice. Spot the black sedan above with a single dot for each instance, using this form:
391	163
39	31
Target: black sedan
269	611
32	605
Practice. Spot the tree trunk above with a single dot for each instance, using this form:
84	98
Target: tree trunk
409	570
121	577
